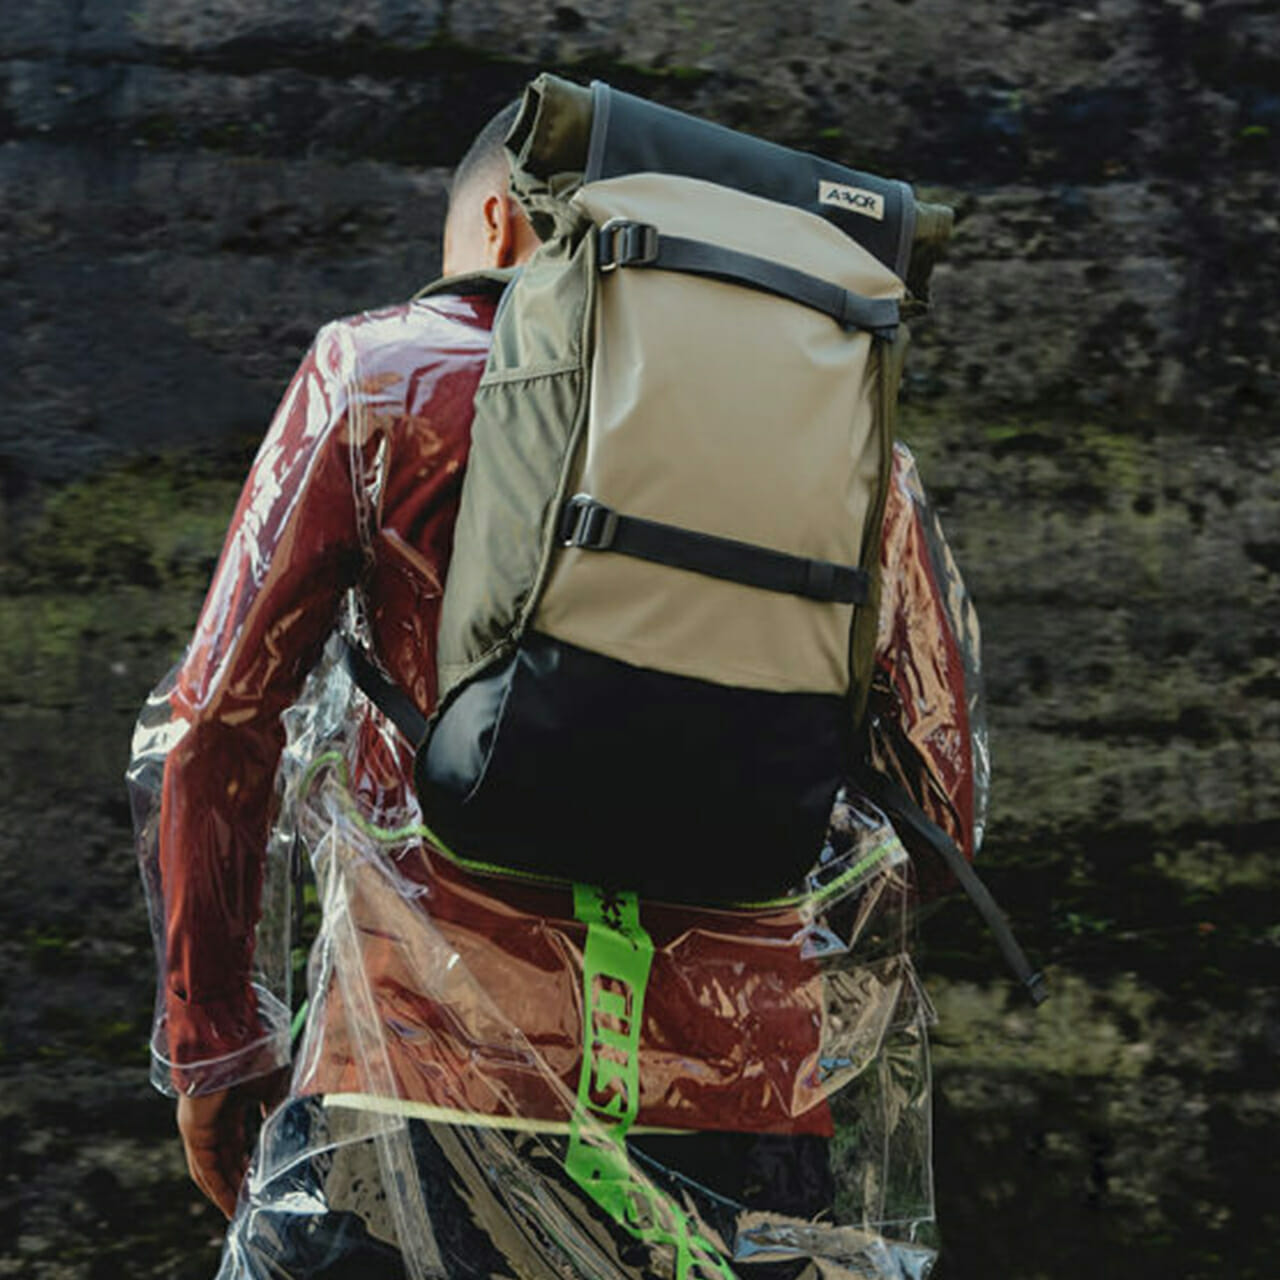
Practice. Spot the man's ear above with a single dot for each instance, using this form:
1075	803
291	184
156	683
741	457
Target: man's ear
498	214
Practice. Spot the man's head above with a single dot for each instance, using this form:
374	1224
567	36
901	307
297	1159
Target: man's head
485	226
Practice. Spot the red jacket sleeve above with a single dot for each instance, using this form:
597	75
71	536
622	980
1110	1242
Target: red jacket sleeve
291	552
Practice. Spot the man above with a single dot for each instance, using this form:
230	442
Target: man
353	497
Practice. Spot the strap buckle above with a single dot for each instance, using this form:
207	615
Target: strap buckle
586	523
623	243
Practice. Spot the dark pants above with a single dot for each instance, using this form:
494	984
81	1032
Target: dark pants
497	1204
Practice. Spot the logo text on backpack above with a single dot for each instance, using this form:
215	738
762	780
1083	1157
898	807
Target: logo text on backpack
858	199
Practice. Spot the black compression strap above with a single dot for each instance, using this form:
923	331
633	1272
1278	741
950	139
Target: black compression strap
638	244
910	819
591	525
389	698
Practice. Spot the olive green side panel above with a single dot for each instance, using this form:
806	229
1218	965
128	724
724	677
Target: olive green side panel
889	359
933	224
553	130
490	281
731	412
530	403
547	146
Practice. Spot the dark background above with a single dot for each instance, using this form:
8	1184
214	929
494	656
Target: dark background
189	189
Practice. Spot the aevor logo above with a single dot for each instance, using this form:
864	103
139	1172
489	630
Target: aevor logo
857	199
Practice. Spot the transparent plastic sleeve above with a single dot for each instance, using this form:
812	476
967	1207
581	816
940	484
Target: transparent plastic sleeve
242	1039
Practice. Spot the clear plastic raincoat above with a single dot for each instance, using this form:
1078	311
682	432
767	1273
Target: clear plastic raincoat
497	1076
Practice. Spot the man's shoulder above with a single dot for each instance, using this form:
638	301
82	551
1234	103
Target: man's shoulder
452	324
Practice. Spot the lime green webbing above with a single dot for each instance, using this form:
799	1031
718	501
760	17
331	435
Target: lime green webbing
615	974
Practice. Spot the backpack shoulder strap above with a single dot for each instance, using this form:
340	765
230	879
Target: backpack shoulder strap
492	282
387	696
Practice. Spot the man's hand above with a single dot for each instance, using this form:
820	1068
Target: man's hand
217	1134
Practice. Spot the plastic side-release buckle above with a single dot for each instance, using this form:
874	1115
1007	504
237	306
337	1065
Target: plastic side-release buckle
586	523
1037	988
623	243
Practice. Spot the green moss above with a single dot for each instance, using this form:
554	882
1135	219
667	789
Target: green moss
1001	432
63	650
1209	869
1091	450
40	645
977	1026
1122	460
151	523
119	1040
50	949
679	72
108	568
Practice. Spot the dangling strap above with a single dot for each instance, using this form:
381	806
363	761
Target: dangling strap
908	817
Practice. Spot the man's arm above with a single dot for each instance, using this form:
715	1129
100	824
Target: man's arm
290	553
925	709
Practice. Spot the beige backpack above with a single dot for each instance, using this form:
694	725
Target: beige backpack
658	622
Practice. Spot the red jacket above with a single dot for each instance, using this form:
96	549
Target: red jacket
356	486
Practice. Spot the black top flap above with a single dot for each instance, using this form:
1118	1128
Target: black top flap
630	135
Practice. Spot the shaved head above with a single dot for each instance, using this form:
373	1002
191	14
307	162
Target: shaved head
486	155
485	226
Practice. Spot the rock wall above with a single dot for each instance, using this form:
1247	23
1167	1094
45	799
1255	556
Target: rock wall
187	190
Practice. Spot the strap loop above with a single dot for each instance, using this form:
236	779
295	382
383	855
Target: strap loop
586	523
592	526
624	243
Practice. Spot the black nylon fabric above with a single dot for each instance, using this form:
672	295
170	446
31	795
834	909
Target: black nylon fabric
630	135
570	764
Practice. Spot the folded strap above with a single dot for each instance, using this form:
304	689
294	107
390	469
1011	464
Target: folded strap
592	526
622	243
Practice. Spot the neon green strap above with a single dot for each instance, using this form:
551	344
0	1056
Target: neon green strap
615	975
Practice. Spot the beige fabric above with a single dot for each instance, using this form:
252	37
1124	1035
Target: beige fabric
728	411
